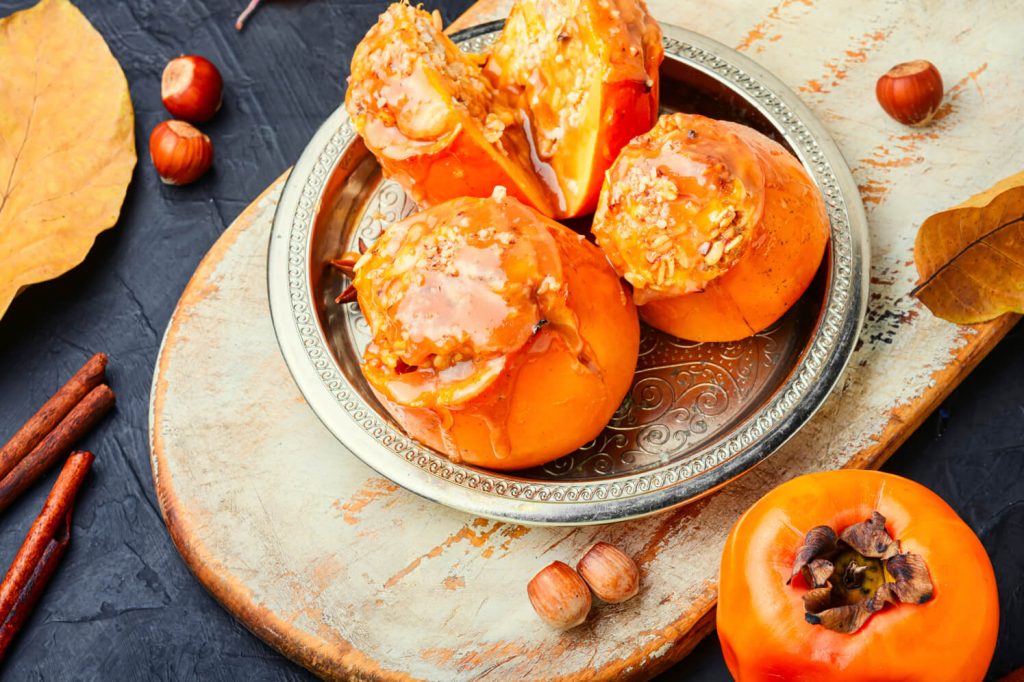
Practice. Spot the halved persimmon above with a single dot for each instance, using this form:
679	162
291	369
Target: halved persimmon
434	122
718	228
567	85
587	73
500	337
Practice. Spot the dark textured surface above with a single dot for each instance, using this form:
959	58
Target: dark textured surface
123	605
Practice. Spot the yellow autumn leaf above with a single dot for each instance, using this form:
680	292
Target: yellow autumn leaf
67	143
970	258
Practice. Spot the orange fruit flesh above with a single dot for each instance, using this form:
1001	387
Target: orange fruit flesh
500	337
718	228
433	121
587	74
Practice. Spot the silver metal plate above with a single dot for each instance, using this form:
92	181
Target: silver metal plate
697	415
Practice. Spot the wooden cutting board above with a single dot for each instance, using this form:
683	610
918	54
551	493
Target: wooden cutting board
352	577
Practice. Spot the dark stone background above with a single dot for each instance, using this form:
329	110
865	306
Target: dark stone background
123	605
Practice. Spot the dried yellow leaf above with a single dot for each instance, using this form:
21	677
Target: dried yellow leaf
970	258
67	143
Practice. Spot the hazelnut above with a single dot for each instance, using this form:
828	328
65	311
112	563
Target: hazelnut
180	153
559	596
911	92
611	574
191	88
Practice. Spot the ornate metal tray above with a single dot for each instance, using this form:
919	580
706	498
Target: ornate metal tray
697	415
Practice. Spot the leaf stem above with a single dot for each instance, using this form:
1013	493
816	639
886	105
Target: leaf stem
250	8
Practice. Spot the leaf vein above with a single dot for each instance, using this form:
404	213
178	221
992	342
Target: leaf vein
1003	254
949	263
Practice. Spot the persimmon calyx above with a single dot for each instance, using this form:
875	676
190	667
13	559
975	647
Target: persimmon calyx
854	574
870	538
346	263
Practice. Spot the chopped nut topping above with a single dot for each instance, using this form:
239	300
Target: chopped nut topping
575	45
493	128
715	254
685	203
453	291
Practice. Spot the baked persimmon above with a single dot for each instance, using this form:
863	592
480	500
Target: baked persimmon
718	228
567	85
855	575
500	337
587	73
434	122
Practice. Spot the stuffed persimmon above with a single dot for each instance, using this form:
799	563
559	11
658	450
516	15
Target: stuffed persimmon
718	228
587	73
434	122
499	337
566	86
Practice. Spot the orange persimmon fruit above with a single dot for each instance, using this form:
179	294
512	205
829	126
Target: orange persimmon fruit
425	110
500	337
587	73
566	86
938	617
718	228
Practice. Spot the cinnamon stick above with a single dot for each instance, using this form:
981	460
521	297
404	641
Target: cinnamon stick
42	550
49	415
71	428
34	588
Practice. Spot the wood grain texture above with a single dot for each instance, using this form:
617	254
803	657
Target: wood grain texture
350	576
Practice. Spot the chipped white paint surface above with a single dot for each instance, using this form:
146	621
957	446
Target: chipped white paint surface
347	574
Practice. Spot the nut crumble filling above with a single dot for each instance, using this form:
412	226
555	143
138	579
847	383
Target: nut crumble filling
557	58
412	89
681	205
546	42
451	295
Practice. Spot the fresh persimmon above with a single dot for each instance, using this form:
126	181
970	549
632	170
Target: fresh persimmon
586	71
434	122
718	228
500	337
855	575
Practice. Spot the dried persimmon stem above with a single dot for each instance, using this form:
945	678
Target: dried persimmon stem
346	263
847	618
820	541
819	571
857	574
346	296
870	538
913	581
